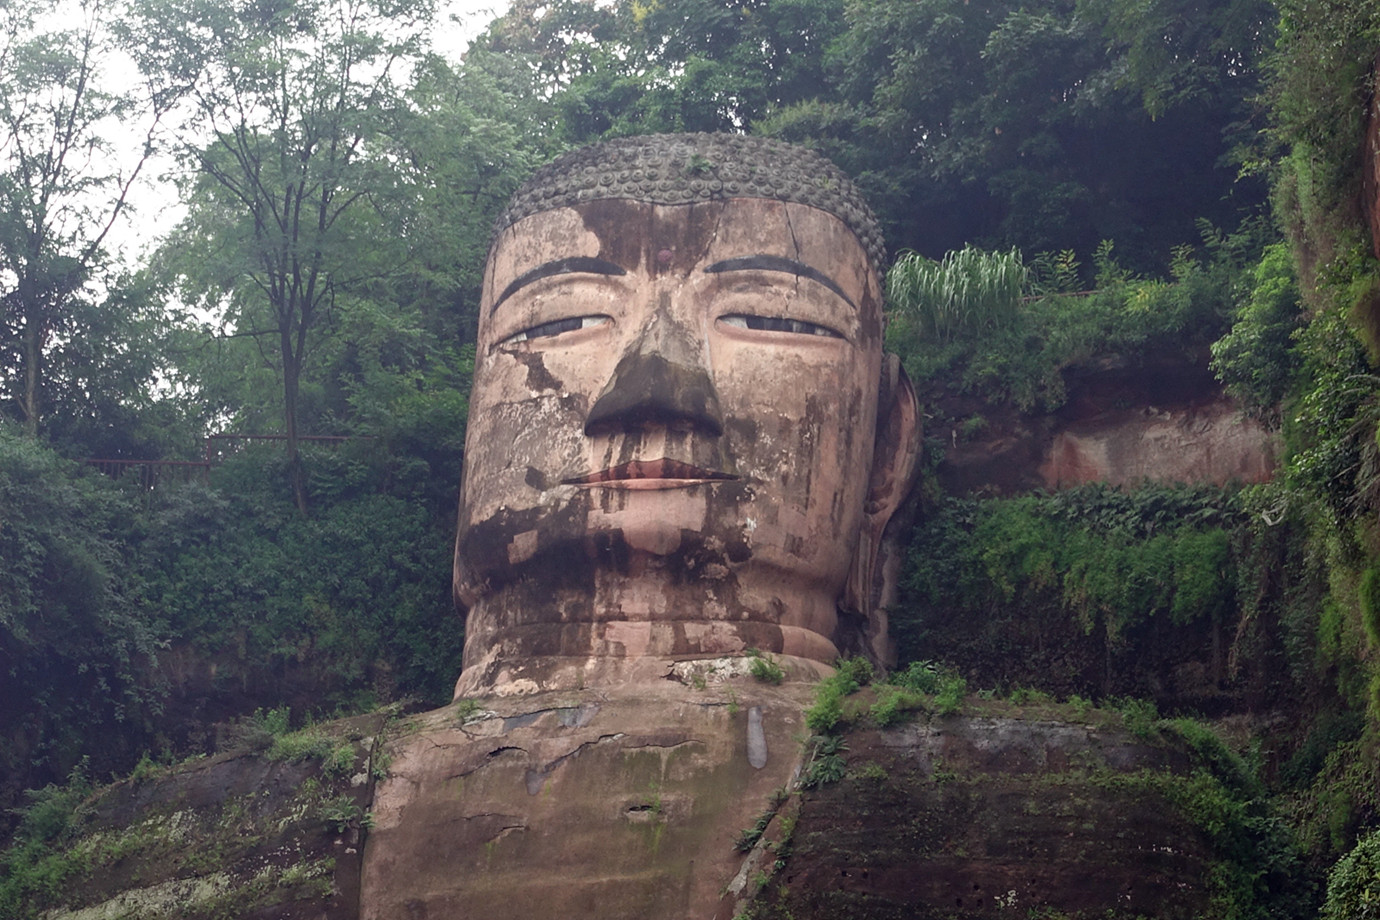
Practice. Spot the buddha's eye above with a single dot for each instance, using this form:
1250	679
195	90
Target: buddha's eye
778	324
555	327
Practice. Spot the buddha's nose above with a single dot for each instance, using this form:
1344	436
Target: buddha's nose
663	379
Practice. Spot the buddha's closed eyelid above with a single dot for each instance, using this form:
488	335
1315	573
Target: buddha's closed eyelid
554	328
778	324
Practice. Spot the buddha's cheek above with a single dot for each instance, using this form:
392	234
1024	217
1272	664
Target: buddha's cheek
796	428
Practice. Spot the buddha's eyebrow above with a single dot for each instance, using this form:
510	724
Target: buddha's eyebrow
779	264
580	264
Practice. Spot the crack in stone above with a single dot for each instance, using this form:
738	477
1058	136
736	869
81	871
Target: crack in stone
536	778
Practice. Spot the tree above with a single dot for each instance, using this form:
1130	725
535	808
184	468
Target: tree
676	65
1015	124
63	185
286	105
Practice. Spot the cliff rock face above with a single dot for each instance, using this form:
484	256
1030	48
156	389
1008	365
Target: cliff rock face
991	817
1120	425
268	833
679	799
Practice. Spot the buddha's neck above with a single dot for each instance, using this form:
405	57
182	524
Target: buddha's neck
631	628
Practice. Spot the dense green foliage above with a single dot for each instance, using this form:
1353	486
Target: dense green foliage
1353	885
1109	157
1021	354
143	620
1092	591
74	645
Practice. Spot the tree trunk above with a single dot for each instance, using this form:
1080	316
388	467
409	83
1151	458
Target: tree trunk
33	358
292	371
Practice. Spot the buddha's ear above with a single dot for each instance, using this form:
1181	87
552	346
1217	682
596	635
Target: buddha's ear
871	585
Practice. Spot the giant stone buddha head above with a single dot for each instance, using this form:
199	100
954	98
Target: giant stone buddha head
684	439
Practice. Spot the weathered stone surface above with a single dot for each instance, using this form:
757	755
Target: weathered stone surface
983	818
623	803
1120	425
684	168
254	835
1209	443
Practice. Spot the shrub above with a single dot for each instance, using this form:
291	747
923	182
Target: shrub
892	705
920	676
948	699
1353	884
765	669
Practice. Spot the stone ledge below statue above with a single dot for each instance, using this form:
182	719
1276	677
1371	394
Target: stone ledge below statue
628	803
587	803
631	803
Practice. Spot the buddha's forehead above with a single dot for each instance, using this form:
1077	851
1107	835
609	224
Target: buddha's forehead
658	239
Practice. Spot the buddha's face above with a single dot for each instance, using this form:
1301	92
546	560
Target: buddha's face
672	421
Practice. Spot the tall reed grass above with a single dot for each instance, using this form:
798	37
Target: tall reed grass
969	290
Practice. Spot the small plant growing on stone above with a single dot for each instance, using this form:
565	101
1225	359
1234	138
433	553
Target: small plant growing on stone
827	712
857	670
144	769
1081	705
826	762
872	772
1139	716
748	837
765	668
307	744
1022	695
920	676
950	695
893	704
340	813
340	760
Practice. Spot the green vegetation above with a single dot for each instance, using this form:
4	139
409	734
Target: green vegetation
1353	885
765	668
1017	355
1077	186
1088	571
967	292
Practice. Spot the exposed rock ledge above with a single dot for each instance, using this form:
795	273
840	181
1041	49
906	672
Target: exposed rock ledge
631	803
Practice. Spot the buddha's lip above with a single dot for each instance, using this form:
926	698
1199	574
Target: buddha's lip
650	474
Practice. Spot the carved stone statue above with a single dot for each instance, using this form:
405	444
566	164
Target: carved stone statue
684	438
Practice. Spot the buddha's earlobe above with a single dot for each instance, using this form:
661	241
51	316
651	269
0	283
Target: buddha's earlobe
872	579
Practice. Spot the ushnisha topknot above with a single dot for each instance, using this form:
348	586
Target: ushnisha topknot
689	168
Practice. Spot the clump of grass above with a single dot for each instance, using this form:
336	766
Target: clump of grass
893	704
827	712
765	668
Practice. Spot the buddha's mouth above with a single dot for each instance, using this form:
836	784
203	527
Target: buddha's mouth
650	474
